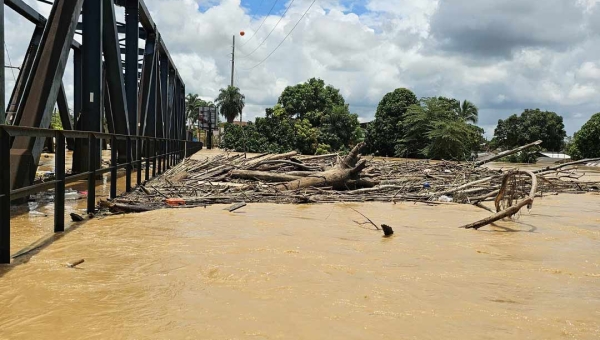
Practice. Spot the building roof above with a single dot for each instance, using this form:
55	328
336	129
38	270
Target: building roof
554	155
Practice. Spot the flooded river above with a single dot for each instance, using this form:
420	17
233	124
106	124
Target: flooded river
310	272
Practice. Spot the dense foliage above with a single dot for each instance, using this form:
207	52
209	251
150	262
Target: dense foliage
432	127
311	118
530	126
439	128
384	132
586	141
56	123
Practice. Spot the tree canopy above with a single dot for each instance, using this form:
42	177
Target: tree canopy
436	128
230	103
586	141
383	133
310	117
528	127
312	96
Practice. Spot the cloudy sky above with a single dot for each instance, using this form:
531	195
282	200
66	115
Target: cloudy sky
503	55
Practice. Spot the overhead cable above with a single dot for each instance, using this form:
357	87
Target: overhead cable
293	28
261	24
274	27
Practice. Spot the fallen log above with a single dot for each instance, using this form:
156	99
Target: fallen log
510	211
281	161
299	173
507	153
553	168
120	207
236	206
348	168
263	176
313	158
286	155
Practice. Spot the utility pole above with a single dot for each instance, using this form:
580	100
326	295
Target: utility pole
232	59
233	67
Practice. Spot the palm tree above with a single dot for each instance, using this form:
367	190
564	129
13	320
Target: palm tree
230	102
467	111
192	104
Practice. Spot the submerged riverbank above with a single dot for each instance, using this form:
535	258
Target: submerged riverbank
288	271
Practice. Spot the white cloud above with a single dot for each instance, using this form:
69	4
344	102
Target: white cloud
386	45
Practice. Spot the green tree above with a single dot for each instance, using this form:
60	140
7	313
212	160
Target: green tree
230	103
468	112
312	96
435	130
586	141
530	126
384	132
192	103
320	122
338	128
56	123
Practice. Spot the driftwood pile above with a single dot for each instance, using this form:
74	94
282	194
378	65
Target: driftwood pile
292	178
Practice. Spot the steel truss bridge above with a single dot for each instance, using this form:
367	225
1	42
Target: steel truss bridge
135	91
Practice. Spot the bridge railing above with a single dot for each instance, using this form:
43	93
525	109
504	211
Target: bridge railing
161	153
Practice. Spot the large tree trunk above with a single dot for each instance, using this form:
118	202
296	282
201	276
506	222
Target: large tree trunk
348	168
263	176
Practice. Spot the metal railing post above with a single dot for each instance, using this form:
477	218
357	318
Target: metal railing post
159	155
91	198
147	172
4	197
129	165
113	164
59	187
154	154
138	156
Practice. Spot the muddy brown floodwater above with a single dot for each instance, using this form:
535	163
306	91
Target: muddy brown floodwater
309	272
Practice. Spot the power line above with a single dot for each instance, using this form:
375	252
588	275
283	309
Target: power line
262	23
274	27
12	69
293	28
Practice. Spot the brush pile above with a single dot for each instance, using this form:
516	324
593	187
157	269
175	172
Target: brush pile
291	178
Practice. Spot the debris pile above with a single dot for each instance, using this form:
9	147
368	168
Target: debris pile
292	178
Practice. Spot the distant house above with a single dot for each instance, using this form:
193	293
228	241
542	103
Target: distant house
551	157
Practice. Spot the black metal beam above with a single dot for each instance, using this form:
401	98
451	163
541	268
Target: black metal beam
171	104
77	88
123	50
121	29
4	198
164	76
26	11
131	63
146	82
32	15
182	110
146	18
42	88
114	74
63	111
19	88
91	110
108	111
